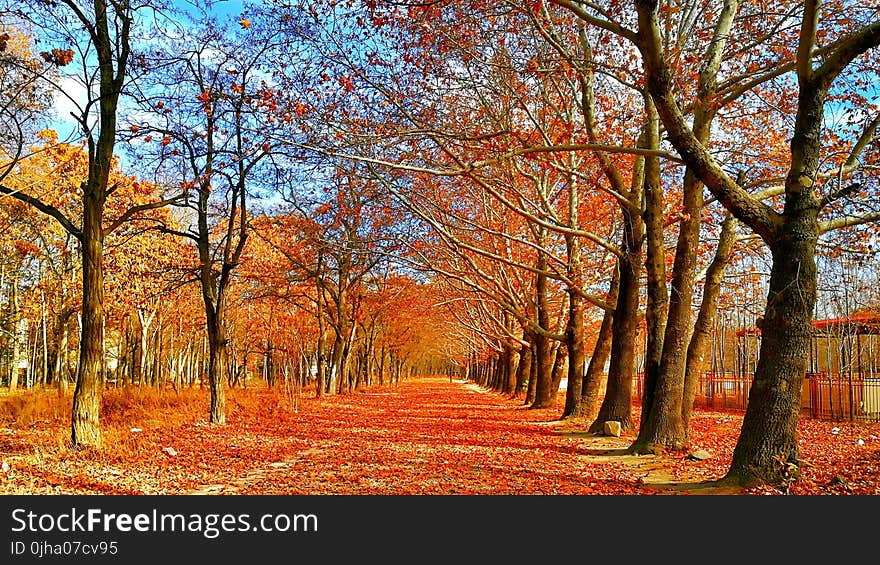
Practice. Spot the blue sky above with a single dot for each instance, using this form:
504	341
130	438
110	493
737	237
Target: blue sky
230	7
66	127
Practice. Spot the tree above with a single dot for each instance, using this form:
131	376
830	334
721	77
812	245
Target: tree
25	92
510	134
104	30
767	448
211	135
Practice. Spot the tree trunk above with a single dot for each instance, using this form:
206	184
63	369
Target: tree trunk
501	371
45	340
543	346
574	329
345	360
574	344
335	363
768	441
663	425
705	319
216	347
382	365
544	372
617	404
512	368
497	369
766	451
588	407
533	373
559	357
18	335
61	359
85	425
655	265
524	366
319	354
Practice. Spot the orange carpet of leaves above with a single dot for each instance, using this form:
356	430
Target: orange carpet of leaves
424	436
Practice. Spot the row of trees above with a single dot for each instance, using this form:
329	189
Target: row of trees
301	282
597	149
561	171
207	149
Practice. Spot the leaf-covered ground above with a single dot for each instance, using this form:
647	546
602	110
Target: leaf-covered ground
424	436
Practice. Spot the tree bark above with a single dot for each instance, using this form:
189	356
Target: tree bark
543	345
594	378
524	367
18	336
768	440
560	355
533	373
699	343
112	58
574	329
216	348
617	404
322	335
766	451
655	265
85	425
60	365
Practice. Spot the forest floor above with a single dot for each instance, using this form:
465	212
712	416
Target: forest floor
423	436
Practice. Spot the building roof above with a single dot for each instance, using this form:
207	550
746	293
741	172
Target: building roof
866	322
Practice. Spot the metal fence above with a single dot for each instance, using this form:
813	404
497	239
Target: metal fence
824	396
844	397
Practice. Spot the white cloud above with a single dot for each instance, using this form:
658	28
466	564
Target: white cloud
69	98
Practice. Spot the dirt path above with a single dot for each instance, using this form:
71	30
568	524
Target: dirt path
425	436
432	436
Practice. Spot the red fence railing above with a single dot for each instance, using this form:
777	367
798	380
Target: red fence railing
824	397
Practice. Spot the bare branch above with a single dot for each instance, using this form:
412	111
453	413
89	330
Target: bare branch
45	209
128	214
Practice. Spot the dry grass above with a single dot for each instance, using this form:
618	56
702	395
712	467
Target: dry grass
137	423
33	407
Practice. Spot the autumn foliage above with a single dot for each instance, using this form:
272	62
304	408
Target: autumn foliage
424	436
436	247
